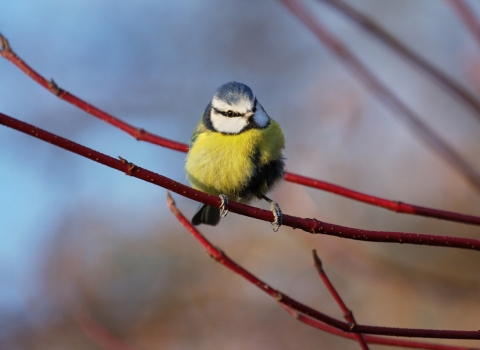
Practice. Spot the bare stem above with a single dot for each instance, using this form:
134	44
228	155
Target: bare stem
449	84
138	133
372	339
347	313
395	206
98	334
467	16
416	125
313	226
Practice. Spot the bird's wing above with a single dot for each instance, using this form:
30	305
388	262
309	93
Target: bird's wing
201	128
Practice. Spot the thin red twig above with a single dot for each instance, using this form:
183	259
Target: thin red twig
395	206
99	334
372	339
219	256
416	125
142	135
467	16
449	84
138	133
347	313
309	225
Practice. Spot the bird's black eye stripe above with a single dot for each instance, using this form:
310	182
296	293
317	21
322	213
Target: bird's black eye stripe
220	112
228	113
254	109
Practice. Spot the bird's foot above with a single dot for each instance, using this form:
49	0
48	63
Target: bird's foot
223	205
277	214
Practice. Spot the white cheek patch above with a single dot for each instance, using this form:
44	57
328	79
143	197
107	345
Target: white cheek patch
227	125
260	117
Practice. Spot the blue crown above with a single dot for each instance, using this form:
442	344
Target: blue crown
233	92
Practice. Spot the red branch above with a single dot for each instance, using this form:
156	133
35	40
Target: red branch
347	314
282	298
395	206
309	225
99	334
450	85
138	133
416	125
142	135
467	16
372	339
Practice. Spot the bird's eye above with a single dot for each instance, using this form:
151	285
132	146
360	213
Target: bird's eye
229	114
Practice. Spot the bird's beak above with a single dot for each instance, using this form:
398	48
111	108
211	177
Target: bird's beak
249	114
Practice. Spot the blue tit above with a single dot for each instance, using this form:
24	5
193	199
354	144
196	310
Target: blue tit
235	152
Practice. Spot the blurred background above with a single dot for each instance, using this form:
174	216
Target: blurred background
80	241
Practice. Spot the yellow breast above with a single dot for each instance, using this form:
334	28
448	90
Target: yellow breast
223	164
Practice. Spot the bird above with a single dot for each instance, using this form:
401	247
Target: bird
235	153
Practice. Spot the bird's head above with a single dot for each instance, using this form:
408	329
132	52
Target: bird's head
234	108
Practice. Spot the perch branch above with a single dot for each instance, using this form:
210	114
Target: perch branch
219	256
142	135
312	226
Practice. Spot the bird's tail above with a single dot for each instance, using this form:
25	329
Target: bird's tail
206	214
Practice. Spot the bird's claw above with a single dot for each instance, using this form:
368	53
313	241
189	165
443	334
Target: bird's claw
277	215
223	205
